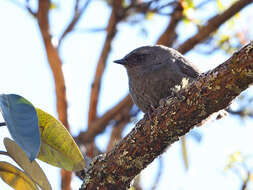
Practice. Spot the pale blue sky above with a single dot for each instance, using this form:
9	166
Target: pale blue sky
25	71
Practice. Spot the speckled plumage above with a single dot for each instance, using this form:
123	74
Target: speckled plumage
153	72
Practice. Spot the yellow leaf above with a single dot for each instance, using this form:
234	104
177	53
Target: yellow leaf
237	15
15	177
53	6
188	4
236	157
149	15
220	6
58	148
188	12
32	169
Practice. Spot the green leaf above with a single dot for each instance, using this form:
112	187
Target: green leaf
22	122
58	148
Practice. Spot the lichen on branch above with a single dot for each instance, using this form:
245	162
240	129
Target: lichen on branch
212	92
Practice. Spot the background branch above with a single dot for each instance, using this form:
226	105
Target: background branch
95	88
169	35
78	11
55	64
212	25
99	125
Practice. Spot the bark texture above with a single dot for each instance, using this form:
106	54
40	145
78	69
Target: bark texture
212	92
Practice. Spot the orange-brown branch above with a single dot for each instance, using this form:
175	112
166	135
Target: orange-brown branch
99	125
169	35
123	119
56	67
111	31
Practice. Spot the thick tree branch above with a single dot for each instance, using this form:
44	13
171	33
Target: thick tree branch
204	32
212	25
56	67
212	92
167	38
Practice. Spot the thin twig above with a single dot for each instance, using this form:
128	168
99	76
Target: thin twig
76	16
2	124
26	6
246	181
29	9
4	153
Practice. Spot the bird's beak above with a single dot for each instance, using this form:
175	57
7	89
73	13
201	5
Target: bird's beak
121	61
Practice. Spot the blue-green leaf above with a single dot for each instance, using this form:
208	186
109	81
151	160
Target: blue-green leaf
22	121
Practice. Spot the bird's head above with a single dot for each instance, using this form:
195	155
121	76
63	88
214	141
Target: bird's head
145	56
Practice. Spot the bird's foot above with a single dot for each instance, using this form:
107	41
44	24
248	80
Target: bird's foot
177	95
150	111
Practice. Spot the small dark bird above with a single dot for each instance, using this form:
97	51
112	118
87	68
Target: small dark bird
154	72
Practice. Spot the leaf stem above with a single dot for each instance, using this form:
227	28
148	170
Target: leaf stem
4	153
2	124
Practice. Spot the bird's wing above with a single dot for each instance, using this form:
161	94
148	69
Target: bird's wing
187	68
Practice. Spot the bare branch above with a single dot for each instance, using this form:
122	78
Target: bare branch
54	61
76	16
212	92
26	6
29	9
111	31
101	29
123	119
145	7
246	181
169	35
56	67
